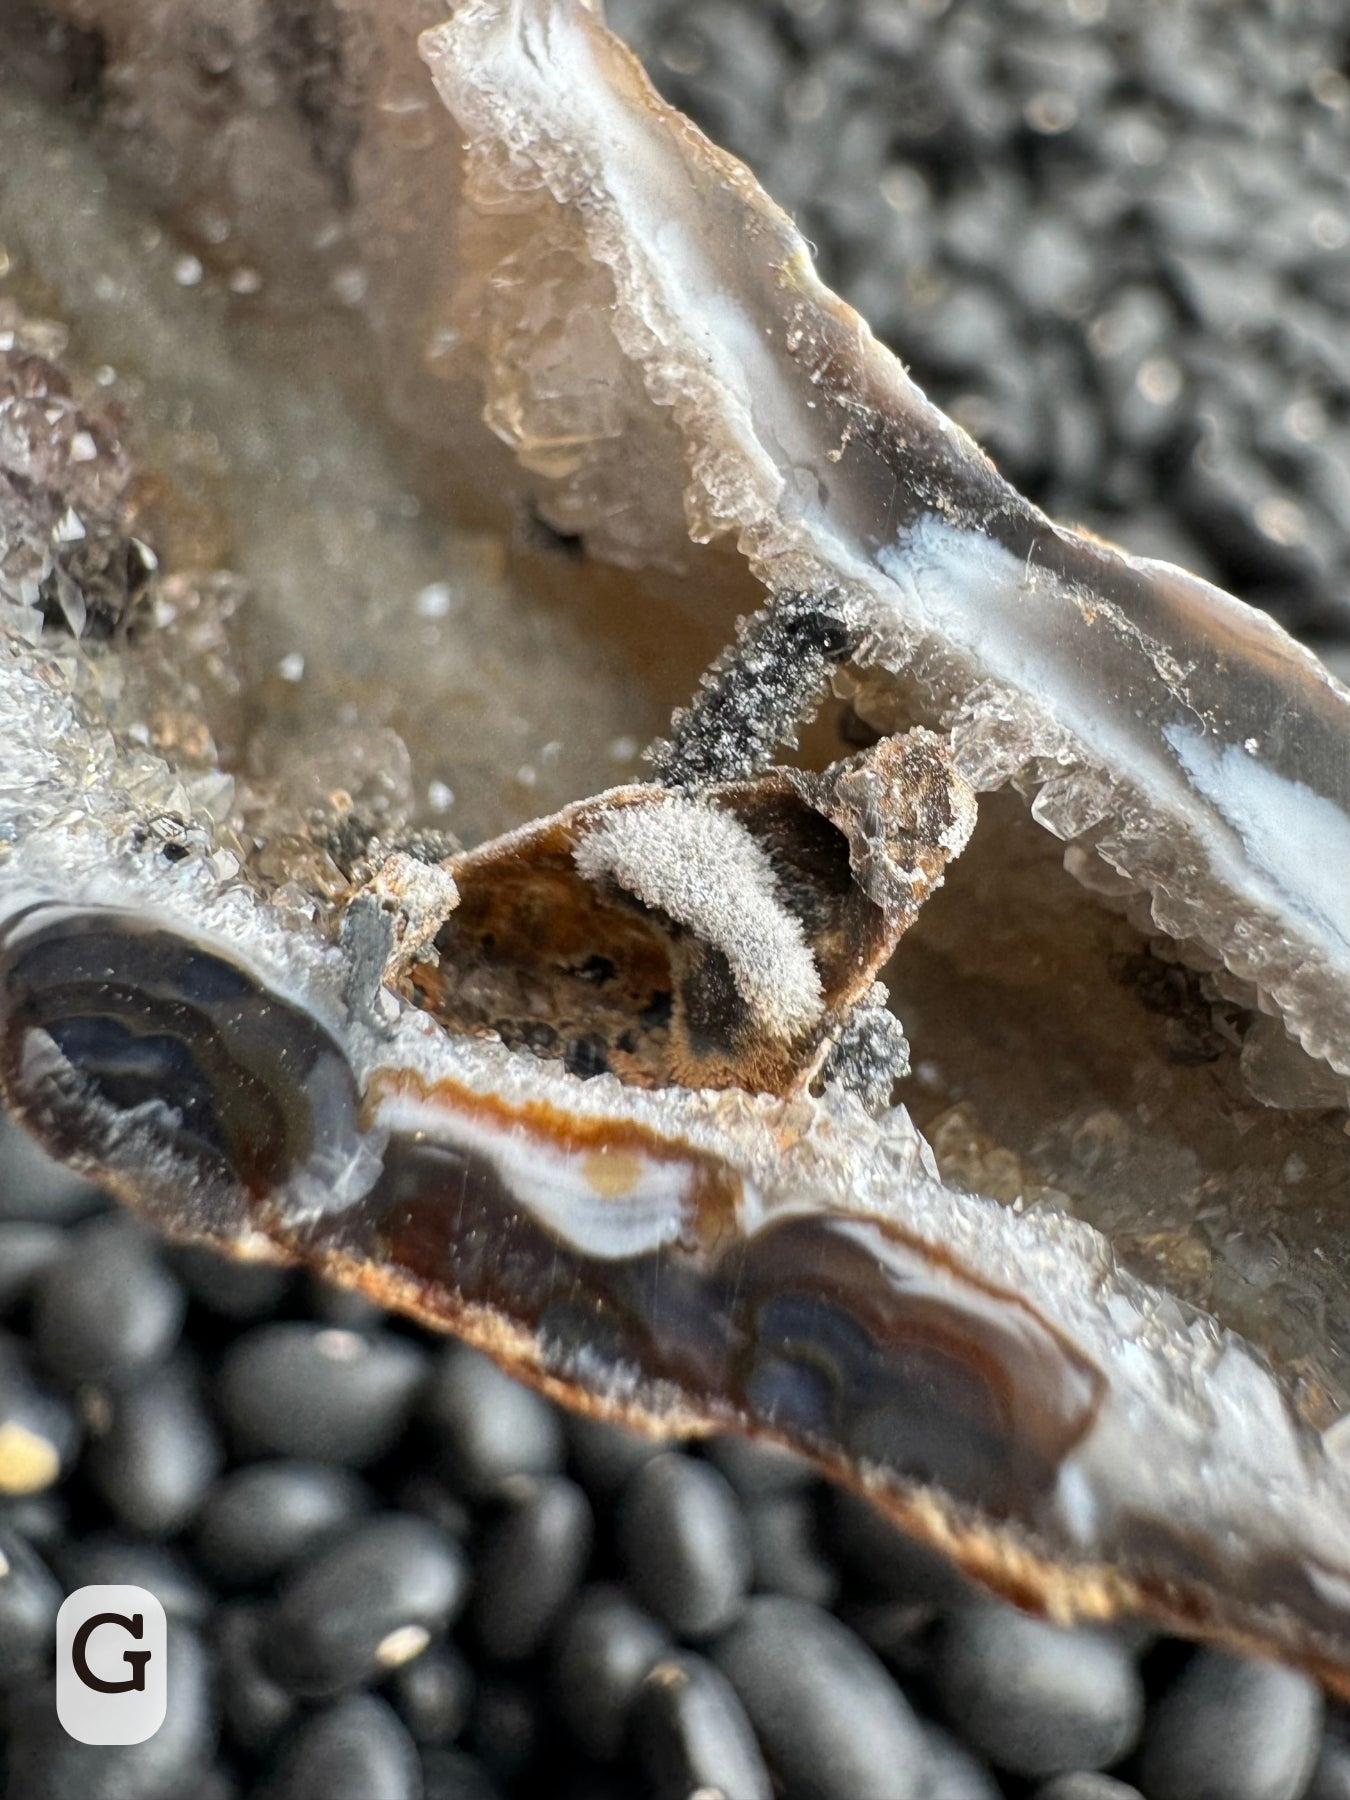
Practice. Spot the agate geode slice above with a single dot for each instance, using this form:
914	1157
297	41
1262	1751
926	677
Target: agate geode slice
610	1095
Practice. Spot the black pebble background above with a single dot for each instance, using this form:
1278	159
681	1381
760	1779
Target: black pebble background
1110	237
1113	239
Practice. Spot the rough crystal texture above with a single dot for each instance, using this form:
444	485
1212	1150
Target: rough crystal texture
425	665
64	506
706	872
1084	1444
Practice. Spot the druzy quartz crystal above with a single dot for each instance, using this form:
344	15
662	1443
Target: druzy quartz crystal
613	1093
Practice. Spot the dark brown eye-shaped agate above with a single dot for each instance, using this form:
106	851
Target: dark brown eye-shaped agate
136	1052
609	1246
791	1269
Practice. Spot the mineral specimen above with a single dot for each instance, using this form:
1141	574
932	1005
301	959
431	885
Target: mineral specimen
722	939
602	1115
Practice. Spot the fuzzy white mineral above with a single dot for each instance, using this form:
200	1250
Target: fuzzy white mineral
703	869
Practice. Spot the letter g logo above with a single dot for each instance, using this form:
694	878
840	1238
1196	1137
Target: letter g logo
135	1659
111	1665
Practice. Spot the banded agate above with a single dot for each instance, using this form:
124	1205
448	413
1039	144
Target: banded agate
691	1262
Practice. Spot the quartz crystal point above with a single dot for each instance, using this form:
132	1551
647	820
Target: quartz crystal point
316	1078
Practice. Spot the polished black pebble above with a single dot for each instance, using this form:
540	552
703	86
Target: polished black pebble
886	1563
256	1708
219	1783
590	1784
228	1286
39	1432
45	1763
900	1631
260	1520
365	1604
1231	1728
603	1456
105	1559
1034	1698
482	1426
604	1651
455	1775
954	1773
530	1564
689	1733
343	1307
27	1250
1084	1784
433	1498
108	1307
155	1457
506	1726
685	1544
754	1468
434	1694
833	1724
356	1749
1331	1772
786	1548
319	1392
44	1519
30	1597
34	1187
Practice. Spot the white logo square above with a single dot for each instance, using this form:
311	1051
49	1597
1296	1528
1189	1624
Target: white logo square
112	1646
